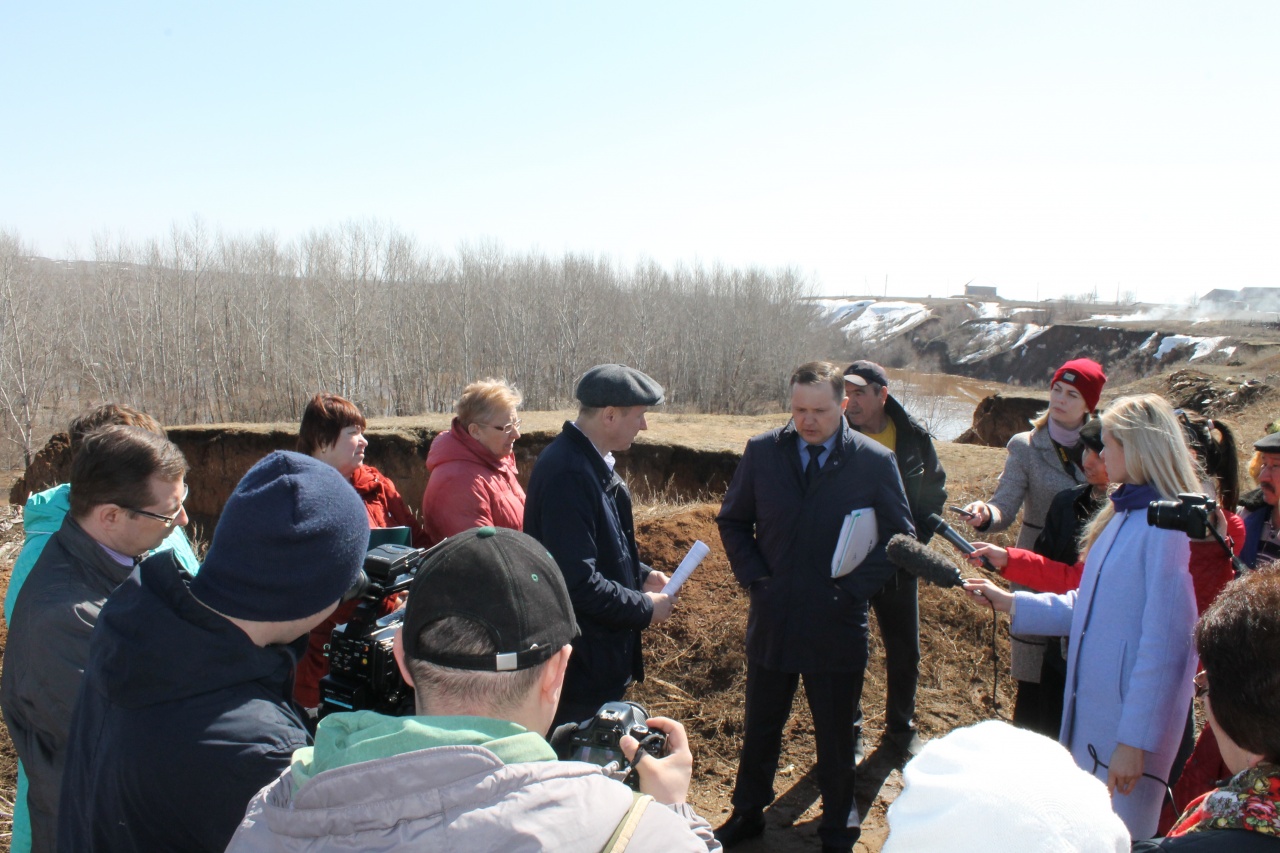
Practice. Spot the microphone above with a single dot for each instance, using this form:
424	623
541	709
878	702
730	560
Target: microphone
947	532
908	554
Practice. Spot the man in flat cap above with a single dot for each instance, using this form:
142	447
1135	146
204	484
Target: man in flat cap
1259	507
580	510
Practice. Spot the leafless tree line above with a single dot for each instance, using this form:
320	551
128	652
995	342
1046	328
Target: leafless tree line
199	327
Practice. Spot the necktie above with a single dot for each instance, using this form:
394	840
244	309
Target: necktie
811	470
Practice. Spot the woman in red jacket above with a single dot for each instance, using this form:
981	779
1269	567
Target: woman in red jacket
471	467
332	430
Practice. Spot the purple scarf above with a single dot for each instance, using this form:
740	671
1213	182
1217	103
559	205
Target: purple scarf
1062	435
1129	497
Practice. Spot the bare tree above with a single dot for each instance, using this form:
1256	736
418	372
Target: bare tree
200	327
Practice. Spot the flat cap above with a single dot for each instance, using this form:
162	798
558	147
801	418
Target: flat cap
617	385
1268	443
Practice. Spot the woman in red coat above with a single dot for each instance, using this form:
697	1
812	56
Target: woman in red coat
332	430
471	469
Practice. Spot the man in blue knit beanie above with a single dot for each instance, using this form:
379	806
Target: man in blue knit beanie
185	709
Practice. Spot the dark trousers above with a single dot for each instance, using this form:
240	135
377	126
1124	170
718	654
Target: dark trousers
897	607
832	698
1038	707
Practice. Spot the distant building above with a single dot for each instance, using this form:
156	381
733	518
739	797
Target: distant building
980	291
1254	298
1254	295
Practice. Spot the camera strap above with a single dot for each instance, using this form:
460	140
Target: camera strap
1068	458
630	822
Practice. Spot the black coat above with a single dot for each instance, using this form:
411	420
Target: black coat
923	479
181	720
581	511
48	646
1063	523
780	535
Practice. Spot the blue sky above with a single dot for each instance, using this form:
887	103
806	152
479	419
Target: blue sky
1040	147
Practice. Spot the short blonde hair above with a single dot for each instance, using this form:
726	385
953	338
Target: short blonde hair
1155	453
486	397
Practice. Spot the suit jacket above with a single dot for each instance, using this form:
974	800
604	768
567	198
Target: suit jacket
780	535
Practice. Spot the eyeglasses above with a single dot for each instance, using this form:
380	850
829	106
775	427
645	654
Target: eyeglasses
1201	681
166	520
507	429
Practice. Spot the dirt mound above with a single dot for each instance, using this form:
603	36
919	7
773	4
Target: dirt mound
998	418
697	667
50	466
1214	396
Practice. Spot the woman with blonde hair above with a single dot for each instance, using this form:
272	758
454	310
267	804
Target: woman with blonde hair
1130	660
471	467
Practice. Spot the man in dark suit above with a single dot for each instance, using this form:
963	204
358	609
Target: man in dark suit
779	523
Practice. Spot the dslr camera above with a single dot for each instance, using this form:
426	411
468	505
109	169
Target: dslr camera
1190	513
362	668
596	741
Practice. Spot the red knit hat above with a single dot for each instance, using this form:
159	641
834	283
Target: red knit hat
1086	376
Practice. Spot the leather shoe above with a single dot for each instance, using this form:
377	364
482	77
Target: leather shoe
741	826
836	848
907	744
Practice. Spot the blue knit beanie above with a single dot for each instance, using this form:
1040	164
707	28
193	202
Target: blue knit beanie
290	542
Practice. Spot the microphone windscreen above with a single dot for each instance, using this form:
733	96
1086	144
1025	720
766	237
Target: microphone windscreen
909	555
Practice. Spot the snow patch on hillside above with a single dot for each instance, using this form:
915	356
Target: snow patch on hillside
874	321
991	338
1203	346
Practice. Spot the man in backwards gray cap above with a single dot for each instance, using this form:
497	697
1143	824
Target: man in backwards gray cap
580	509
484	643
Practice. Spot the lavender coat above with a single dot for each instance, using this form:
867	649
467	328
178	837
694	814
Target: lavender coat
1130	659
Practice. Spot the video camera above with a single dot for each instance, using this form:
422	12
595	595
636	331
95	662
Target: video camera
596	741
1190	513
362	668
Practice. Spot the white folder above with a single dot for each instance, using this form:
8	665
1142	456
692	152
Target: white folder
858	535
